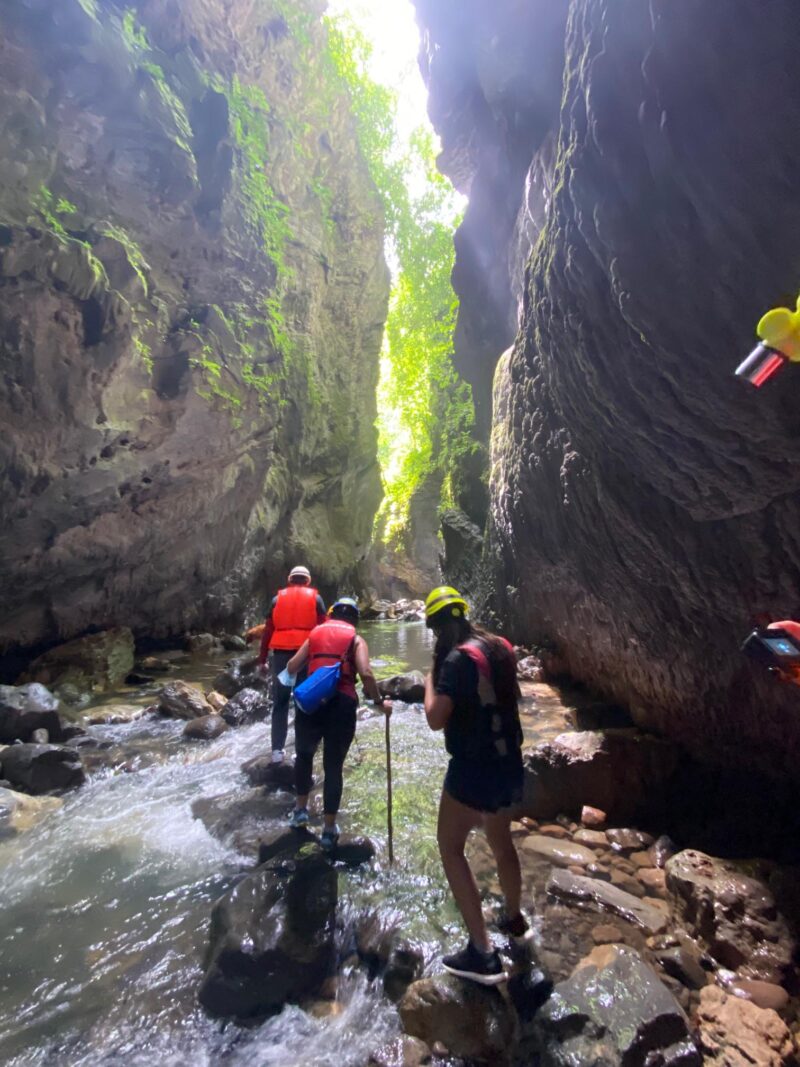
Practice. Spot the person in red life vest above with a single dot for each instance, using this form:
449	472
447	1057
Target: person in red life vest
293	614
333	724
472	695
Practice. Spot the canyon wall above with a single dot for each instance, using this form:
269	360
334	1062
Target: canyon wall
192	299
632	172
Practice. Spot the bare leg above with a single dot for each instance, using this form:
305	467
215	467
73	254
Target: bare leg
498	834
455	822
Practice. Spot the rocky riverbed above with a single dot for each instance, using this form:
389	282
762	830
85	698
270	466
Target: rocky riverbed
164	893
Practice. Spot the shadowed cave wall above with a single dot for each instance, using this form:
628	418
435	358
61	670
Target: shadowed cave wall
633	171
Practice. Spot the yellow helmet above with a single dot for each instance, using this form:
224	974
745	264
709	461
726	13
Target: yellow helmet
444	596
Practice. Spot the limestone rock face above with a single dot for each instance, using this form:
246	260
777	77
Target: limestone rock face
192	293
735	1033
644	503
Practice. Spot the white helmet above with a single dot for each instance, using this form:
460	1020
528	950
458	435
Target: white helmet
300	572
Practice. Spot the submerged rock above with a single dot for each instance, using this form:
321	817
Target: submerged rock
616	1013
41	769
472	1021
624	773
26	708
179	700
206	728
114	714
94	663
734	1033
404	1051
271	937
19	812
248	706
732	913
240	820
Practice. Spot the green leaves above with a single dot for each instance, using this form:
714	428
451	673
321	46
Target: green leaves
425	411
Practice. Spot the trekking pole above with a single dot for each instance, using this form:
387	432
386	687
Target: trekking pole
389	792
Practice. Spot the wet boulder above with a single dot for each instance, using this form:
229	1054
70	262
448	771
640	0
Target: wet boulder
87	664
409	688
624	773
618	1012
271	939
216	700
274	777
179	700
242	672
20	812
577	889
26	708
39	769
115	714
206	728
732	912
471	1021
403	1051
233	643
735	1033
239	820
248	706
202	644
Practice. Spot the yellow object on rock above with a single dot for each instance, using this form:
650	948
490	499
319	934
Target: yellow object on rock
780	329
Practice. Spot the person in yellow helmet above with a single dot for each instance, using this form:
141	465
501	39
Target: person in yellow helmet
472	695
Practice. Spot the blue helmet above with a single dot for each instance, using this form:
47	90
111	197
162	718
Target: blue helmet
345	606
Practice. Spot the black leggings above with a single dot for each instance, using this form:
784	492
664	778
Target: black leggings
335	726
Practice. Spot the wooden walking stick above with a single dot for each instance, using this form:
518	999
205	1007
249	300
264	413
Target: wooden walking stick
389	791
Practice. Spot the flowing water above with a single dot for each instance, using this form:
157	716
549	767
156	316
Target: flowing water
105	905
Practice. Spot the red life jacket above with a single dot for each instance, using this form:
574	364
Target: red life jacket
483	728
329	643
293	617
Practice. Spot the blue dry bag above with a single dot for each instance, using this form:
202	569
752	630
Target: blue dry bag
317	688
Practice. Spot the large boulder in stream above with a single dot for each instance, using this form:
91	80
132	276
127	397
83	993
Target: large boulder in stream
614	1012
26	708
206	728
88	664
274	777
248	706
472	1021
179	700
625	773
731	910
41	769
243	672
271	938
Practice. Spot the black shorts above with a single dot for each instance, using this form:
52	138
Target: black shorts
486	786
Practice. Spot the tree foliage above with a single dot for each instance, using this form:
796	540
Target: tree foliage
425	410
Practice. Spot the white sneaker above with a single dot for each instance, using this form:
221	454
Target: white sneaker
277	755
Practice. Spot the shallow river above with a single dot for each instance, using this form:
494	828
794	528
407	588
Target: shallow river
105	906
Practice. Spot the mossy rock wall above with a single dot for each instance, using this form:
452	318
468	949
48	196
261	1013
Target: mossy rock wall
192	297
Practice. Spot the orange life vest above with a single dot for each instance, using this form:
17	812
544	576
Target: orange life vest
330	643
293	617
